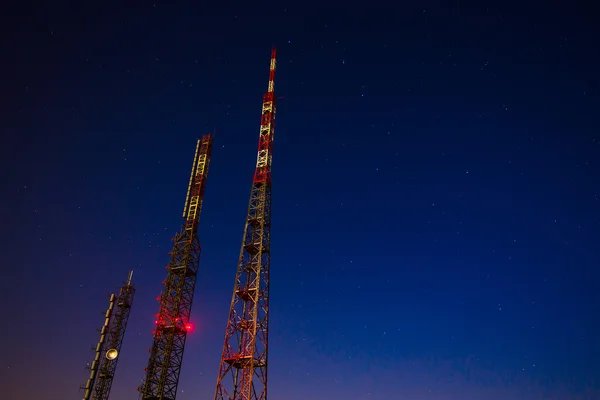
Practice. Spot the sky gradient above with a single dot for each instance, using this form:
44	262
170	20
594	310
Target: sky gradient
435	207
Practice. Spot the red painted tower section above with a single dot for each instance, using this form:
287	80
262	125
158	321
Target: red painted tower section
243	369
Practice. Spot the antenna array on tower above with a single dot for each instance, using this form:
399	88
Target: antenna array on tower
173	319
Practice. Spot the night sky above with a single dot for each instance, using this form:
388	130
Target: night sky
436	193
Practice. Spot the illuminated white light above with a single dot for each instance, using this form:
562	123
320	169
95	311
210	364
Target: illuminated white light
112	354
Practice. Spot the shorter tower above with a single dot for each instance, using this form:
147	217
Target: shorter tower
173	319
108	349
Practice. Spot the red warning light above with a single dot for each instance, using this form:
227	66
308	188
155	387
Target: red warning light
189	327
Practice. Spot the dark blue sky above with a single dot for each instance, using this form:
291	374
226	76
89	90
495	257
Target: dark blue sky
435	199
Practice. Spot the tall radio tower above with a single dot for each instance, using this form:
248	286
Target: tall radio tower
172	322
244	356
108	350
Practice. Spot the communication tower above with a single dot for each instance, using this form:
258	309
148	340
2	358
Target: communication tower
108	349
243	369
173	320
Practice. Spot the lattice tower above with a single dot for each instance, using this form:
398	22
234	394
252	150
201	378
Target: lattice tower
243	369
114	341
172	321
108	349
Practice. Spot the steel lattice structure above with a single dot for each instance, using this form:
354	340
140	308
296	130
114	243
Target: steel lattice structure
114	341
244	356
89	386
102	370
172	323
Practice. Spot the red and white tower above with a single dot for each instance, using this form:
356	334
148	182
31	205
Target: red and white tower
243	369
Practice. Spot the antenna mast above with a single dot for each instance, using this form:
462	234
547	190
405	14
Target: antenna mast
172	322
243	369
104	366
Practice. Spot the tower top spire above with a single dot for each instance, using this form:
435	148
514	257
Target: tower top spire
272	70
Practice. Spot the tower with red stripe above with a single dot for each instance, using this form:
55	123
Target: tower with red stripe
244	360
